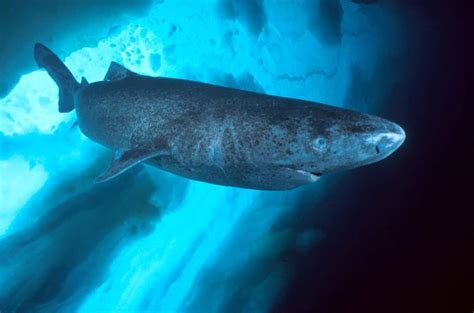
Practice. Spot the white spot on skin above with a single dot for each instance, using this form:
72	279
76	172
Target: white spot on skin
215	153
392	138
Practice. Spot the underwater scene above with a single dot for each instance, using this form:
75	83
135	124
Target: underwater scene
296	188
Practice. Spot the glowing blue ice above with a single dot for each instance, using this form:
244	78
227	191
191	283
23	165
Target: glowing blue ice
206	235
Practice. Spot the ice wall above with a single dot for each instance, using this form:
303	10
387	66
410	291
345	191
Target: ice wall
62	25
149	241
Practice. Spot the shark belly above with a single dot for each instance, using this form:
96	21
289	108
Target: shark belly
276	178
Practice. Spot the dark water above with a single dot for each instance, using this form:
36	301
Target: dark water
390	237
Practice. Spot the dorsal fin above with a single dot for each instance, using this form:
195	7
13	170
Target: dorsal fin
117	72
84	82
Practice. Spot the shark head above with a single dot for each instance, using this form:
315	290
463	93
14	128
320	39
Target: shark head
351	144
336	140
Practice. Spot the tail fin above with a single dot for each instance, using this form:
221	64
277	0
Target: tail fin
60	74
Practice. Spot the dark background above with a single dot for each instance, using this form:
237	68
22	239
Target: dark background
405	243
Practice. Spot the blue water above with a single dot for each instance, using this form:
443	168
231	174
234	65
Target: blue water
150	241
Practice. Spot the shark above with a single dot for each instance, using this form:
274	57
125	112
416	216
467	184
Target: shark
216	134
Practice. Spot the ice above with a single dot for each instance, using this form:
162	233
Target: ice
152	241
14	192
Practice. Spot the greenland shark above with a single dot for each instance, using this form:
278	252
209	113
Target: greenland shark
216	134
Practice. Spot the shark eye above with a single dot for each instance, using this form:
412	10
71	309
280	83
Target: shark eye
320	143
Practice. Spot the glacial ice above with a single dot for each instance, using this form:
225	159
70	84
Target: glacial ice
150	240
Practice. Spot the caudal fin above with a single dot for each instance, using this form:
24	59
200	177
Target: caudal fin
60	74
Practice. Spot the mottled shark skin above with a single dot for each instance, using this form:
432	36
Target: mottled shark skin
219	135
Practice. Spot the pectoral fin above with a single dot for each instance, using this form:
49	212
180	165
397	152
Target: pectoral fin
123	160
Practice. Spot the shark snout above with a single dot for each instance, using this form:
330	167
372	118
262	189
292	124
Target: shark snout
388	140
